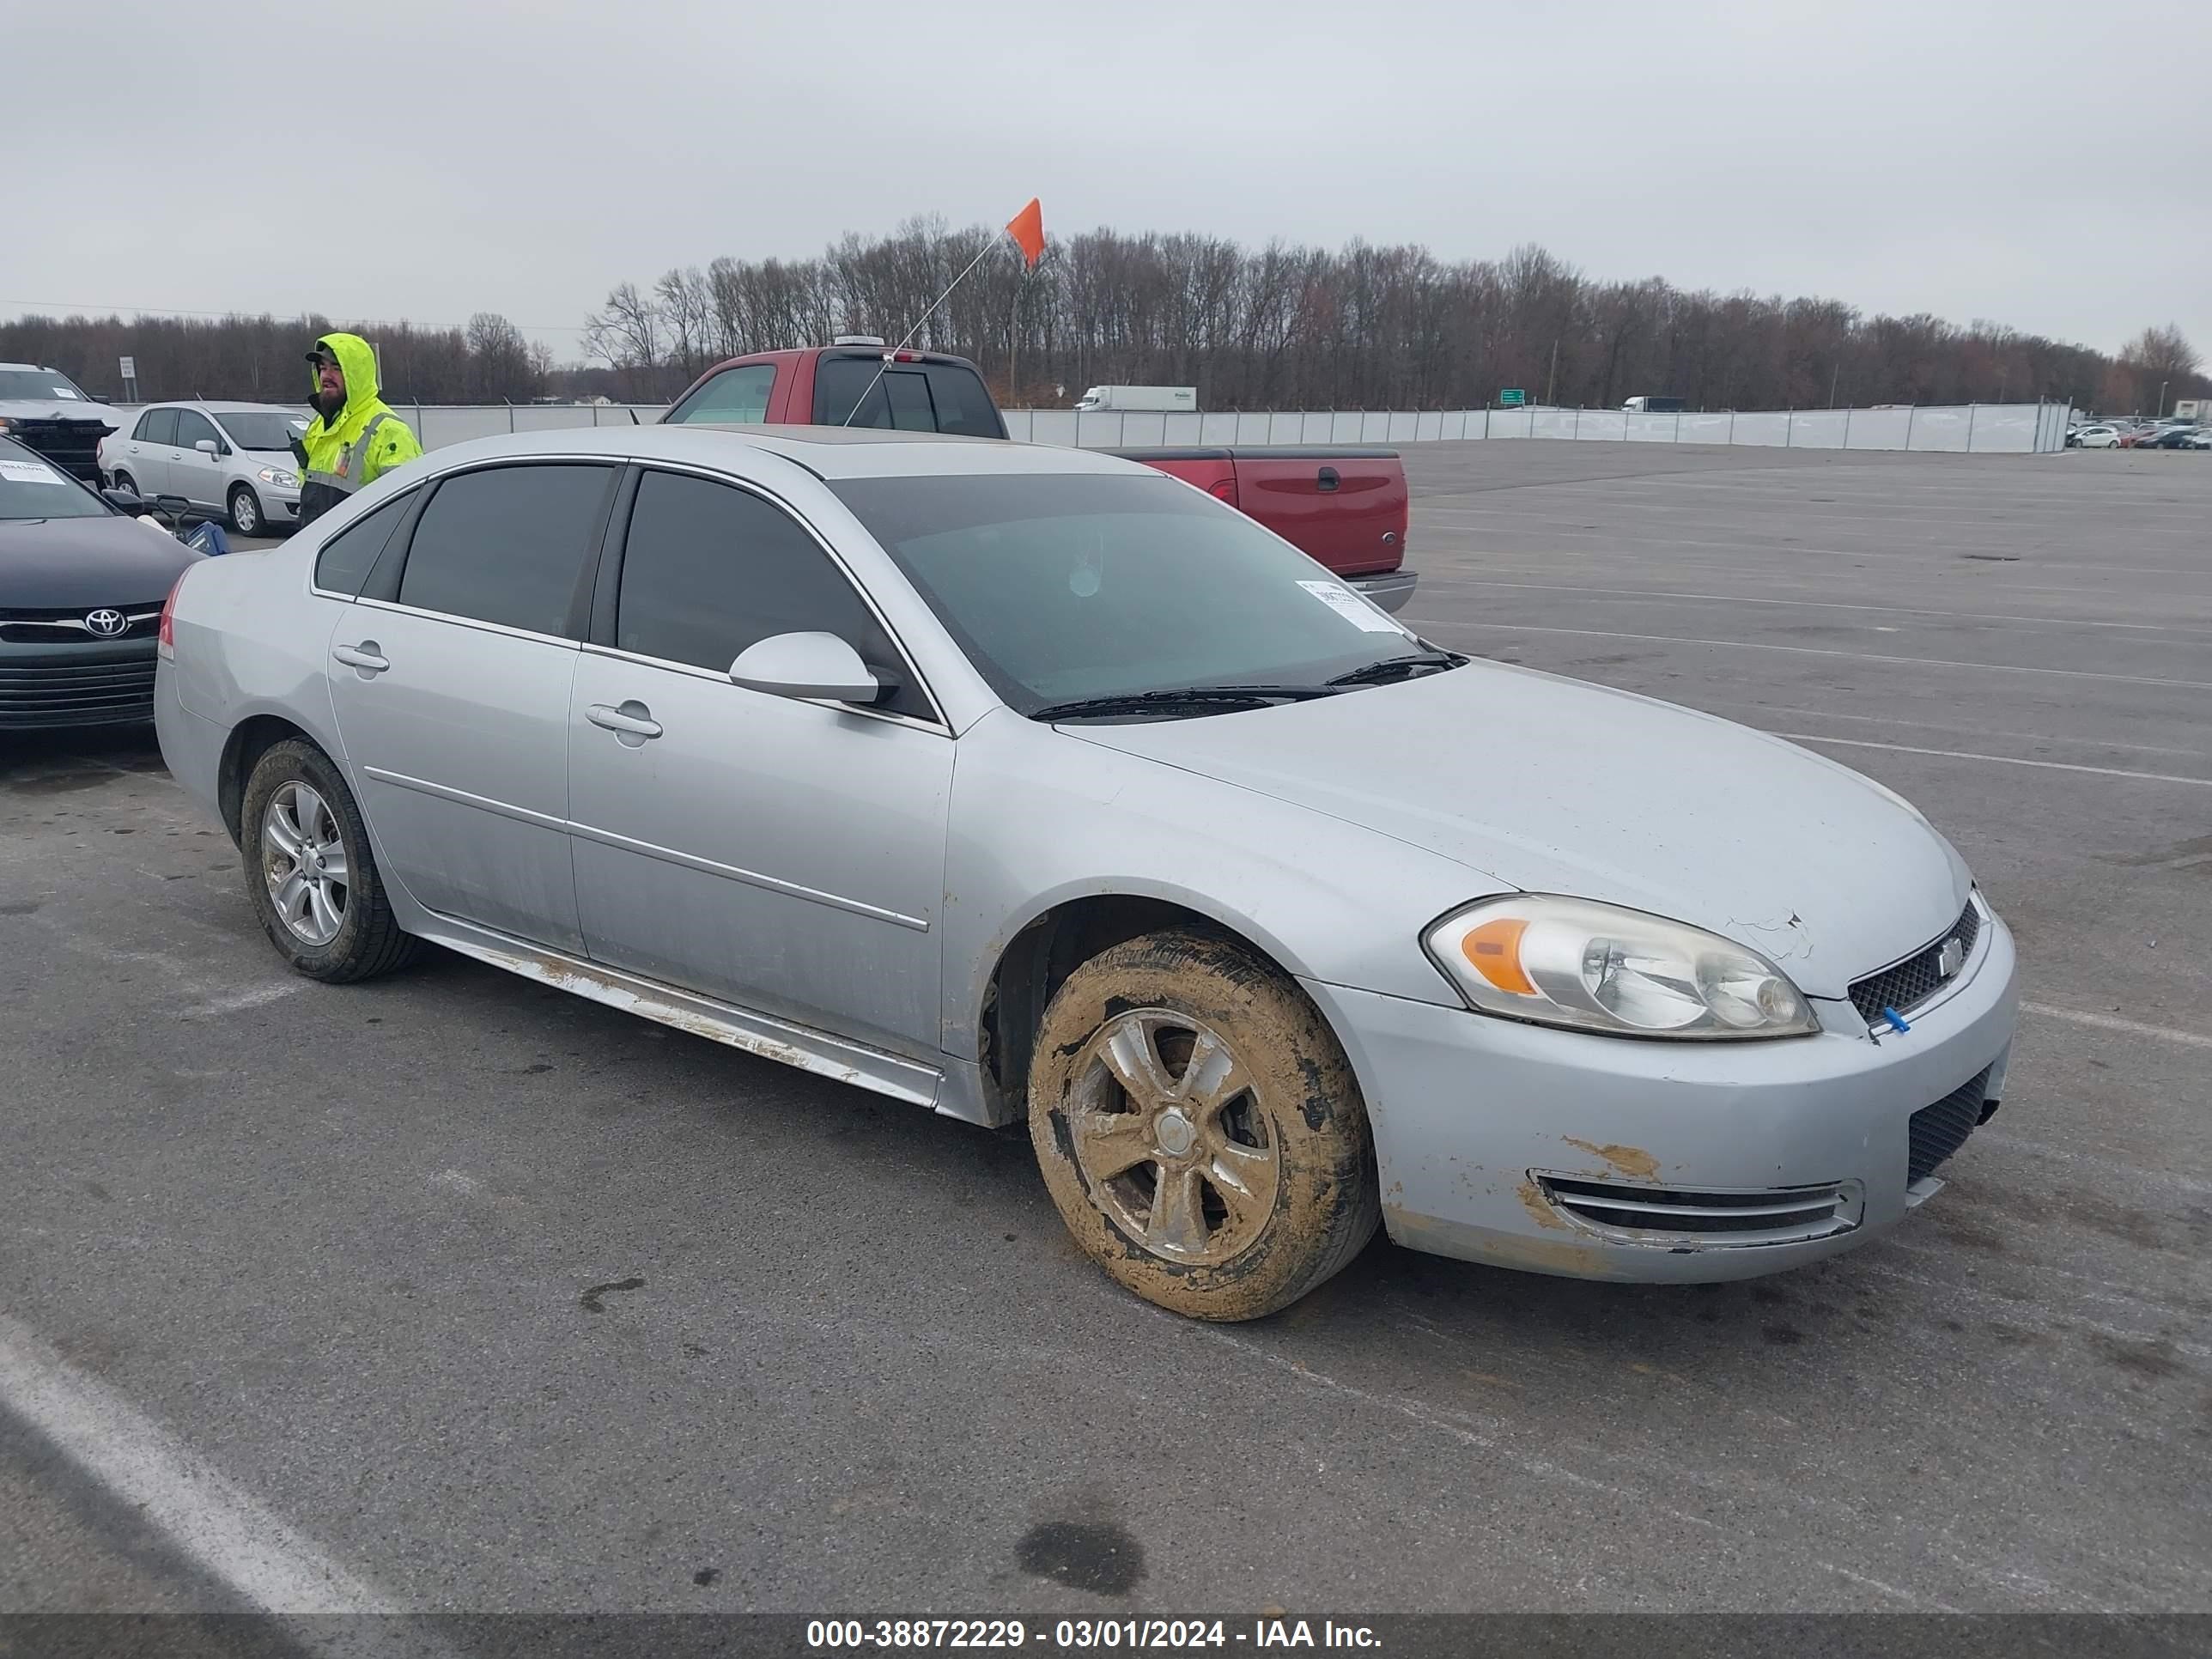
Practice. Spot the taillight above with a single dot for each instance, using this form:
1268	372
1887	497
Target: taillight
1226	490
165	645
906	356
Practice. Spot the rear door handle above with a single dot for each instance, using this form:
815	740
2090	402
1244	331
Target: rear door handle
632	719
363	656
1328	480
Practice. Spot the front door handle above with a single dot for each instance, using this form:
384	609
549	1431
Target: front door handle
632	719
364	656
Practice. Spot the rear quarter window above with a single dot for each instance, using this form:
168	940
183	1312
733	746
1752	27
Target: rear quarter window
347	558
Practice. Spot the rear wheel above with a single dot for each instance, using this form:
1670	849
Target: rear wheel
1200	1128
244	511
310	873
125	480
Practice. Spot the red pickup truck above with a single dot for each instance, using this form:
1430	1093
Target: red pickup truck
1346	508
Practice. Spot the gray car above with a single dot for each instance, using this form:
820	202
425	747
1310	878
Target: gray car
231	461
1027	785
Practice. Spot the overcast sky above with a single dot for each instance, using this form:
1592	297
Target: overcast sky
397	158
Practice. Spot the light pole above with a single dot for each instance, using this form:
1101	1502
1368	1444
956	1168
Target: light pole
2160	410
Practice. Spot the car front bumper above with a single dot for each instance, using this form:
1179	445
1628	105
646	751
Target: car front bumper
1390	590
78	684
1606	1158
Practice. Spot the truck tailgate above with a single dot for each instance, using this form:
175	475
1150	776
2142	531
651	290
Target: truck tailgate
1345	507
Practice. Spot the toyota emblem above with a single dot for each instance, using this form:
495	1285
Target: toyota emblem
105	624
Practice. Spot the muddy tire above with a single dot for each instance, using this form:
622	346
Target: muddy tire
310	873
1200	1128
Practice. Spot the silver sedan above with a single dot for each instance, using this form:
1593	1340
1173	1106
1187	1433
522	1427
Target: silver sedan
1027	785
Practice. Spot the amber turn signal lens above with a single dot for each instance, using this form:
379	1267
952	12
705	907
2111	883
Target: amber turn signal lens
1493	950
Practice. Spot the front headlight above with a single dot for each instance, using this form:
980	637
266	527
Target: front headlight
1599	968
277	475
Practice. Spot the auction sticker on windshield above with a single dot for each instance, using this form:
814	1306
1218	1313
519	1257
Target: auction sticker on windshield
1347	603
30	472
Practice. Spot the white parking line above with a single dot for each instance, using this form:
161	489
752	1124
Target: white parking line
2001	760
1813	605
223	1530
239	1001
2114	1023
1815	651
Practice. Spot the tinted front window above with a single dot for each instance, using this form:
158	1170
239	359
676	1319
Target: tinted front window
507	545
29	489
1070	586
736	395
708	569
348	557
159	427
192	428
265	431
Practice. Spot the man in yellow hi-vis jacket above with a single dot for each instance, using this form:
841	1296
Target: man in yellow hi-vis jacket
354	439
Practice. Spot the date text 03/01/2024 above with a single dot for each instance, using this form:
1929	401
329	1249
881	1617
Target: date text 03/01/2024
1081	1634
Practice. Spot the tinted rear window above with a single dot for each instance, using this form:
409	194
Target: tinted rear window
912	397
159	427
508	544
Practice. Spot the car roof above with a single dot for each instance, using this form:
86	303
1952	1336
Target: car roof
218	406
828	452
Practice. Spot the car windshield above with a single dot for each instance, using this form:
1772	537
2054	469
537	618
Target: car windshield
262	429
38	385
1070	587
30	489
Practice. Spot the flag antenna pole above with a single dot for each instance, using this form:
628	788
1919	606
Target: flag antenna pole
988	248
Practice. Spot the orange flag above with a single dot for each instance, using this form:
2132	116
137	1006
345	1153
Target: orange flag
1027	228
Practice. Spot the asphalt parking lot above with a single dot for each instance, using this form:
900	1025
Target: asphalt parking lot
495	1298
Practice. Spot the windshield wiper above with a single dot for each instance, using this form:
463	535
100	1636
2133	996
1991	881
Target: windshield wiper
1391	667
1131	702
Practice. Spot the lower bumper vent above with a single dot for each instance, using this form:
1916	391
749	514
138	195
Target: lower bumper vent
1776	1215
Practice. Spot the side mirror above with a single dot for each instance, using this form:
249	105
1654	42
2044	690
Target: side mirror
206	447
123	501
805	665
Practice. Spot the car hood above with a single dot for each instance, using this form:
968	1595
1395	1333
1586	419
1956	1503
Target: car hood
1550	784
56	409
52	564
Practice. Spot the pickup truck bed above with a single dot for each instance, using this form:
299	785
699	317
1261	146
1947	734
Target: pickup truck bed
1344	506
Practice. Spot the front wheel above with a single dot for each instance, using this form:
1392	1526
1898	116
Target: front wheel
244	511
310	873
1200	1128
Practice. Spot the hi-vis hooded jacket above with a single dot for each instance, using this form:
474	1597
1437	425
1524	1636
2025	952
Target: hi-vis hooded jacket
366	441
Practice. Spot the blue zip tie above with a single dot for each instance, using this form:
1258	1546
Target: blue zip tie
1896	1020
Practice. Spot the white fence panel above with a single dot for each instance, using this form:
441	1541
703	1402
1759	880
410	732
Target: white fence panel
1642	428
1601	424
2004	429
1880	428
619	414
1018	424
1182	429
436	428
1767	427
1818	428
554	418
1944	430
1552	423
1316	427
1142	430
1428	428
1374	428
1510	423
1463	423
1344	426
1704	428
1055	426
1253	427
1099	428
1217	429
1285	428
